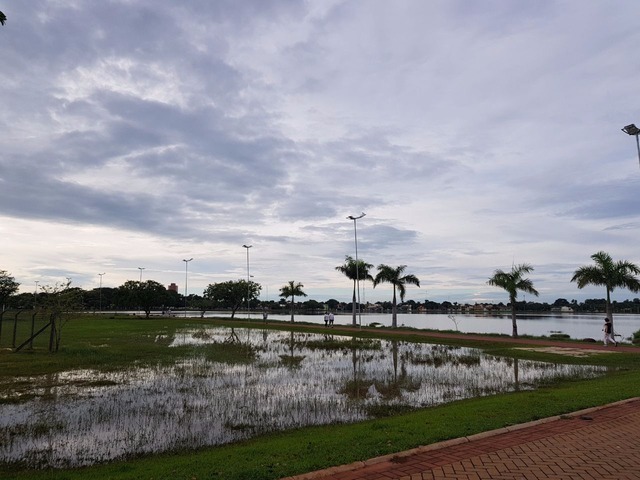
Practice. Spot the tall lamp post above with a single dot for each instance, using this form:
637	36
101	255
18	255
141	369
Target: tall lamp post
186	269
100	294
248	280
141	269
355	232
35	296
634	131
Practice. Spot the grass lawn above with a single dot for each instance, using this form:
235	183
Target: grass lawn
115	343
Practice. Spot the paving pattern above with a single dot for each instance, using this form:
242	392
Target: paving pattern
599	443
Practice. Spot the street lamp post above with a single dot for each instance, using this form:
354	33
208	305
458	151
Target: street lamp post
634	131
141	269
355	232
100	294
35	296
248	280
186	269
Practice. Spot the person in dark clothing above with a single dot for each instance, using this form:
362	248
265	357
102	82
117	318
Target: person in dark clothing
608	332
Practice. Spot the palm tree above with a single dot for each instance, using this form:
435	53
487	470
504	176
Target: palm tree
394	277
609	274
355	271
3	18
292	289
512	282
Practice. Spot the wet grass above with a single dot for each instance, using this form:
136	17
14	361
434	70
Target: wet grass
116	344
279	455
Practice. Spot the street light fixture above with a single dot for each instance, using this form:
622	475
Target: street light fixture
248	280
186	269
100	295
355	232
634	131
141	269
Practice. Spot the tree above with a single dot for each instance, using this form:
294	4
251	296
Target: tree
608	274
355	271
293	290
145	295
3	18
8	286
231	294
387	274
58	302
513	282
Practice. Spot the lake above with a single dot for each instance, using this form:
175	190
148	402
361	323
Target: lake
577	326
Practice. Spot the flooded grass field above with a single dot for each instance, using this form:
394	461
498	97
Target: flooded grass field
240	383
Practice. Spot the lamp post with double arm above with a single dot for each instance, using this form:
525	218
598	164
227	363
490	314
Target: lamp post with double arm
186	270
100	292
355	232
248	280
632	130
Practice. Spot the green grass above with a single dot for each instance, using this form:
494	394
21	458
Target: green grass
110	344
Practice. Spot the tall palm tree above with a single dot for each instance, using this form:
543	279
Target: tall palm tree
293	290
609	274
3	18
387	274
355	271
512	282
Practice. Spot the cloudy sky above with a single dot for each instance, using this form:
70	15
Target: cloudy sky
474	135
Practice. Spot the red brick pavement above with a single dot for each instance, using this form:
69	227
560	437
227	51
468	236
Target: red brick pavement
599	443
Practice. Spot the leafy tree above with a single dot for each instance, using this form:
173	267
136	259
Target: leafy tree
58	302
22	300
332	304
293	290
561	302
395	277
608	274
512	282
143	295
8	286
355	271
97	298
313	306
231	294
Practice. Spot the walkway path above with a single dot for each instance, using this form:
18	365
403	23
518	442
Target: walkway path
599	443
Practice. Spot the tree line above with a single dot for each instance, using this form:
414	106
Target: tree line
234	295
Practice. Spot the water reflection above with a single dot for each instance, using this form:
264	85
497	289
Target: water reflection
241	383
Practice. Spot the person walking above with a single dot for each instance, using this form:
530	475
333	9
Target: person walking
331	319
608	332
326	319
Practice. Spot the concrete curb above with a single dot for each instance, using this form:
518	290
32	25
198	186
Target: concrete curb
452	442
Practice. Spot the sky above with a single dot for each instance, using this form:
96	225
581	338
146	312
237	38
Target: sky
137	134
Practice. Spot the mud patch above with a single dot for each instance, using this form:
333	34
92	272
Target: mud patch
571	352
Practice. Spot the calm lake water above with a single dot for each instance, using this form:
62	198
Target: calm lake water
576	326
278	380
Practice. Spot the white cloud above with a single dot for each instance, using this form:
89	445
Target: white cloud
136	133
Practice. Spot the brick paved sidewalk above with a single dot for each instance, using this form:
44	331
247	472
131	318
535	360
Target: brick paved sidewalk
598	443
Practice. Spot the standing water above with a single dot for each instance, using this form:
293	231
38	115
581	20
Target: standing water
240	383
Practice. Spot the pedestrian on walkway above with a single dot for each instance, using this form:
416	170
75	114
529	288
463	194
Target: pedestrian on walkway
331	319
608	332
326	319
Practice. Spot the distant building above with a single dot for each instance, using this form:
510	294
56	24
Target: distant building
563	309
173	288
